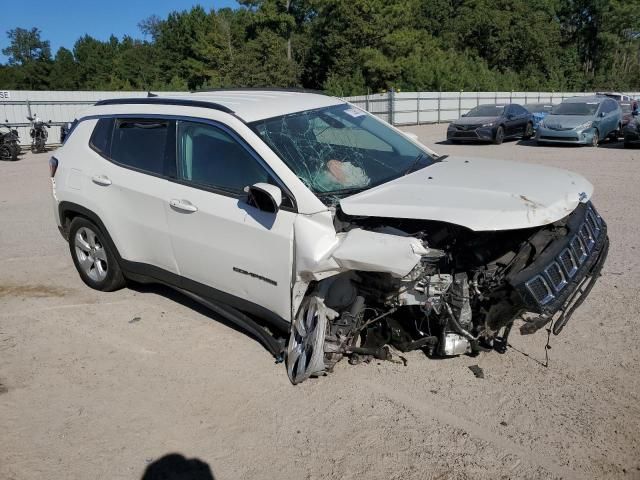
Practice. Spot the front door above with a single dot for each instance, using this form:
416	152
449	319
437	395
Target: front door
218	239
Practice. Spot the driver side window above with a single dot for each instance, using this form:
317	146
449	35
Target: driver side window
211	157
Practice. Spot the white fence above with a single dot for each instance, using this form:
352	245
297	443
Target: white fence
415	108
59	107
399	108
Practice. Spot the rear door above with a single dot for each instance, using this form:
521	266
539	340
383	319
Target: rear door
127	186
521	117
511	121
218	239
604	119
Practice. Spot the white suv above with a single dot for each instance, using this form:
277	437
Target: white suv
303	214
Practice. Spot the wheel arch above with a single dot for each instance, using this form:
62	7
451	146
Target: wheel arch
69	210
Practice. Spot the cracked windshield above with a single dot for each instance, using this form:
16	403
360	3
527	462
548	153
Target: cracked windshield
340	150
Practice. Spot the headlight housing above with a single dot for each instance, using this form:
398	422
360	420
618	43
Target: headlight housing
490	124
585	125
541	124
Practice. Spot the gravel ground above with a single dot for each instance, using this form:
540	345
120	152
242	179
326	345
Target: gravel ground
99	385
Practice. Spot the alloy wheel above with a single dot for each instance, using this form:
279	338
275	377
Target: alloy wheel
91	254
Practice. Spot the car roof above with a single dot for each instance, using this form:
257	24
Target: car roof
251	104
586	99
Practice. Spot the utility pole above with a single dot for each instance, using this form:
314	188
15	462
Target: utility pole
289	39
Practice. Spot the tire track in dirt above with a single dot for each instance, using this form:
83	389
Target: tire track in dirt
439	414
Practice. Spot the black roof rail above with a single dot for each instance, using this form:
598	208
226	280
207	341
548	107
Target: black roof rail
186	102
261	89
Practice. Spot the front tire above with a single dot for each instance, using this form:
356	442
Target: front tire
93	258
499	136
528	131
596	139
6	153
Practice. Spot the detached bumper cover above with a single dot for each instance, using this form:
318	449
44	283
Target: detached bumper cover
564	273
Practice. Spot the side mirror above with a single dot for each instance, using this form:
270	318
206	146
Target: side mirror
265	197
602	114
412	136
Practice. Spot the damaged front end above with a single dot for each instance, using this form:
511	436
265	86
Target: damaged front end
383	286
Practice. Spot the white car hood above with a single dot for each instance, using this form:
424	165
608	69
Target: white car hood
477	193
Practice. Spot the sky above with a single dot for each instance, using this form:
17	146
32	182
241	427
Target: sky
63	22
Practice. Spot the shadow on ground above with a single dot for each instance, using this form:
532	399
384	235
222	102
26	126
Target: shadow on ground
174	466
185	301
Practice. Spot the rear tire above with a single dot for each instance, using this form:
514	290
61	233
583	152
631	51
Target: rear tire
93	258
499	136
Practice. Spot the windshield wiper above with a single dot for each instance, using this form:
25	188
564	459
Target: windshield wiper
414	163
343	192
420	156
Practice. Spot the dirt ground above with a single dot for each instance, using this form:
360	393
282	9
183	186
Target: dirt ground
100	385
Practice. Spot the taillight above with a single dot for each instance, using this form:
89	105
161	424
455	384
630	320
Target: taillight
53	166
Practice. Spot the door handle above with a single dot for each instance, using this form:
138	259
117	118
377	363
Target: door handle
183	205
101	180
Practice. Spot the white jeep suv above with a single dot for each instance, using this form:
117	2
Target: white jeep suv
298	215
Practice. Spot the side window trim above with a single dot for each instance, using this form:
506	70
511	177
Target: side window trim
104	154
176	118
286	193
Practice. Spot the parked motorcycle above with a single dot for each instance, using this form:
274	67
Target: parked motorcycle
9	142
38	134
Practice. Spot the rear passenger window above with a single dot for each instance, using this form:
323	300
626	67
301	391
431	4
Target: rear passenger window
101	136
518	110
142	144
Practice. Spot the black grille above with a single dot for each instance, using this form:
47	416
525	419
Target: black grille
546	284
560	139
465	134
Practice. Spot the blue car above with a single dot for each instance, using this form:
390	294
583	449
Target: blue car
581	121
538	112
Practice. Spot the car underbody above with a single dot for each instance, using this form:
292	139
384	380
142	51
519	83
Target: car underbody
412	284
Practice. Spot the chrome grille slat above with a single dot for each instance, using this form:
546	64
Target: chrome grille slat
587	237
579	249
540	290
556	276
568	262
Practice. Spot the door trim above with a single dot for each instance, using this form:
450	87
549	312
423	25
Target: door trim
145	273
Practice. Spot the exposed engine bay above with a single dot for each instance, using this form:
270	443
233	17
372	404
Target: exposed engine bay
394	285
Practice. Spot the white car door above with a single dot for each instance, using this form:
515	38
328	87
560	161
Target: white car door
126	188
218	239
